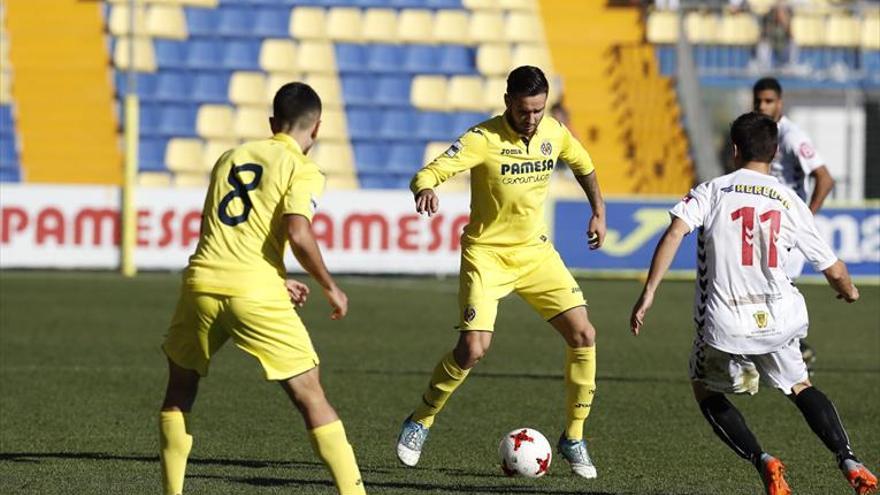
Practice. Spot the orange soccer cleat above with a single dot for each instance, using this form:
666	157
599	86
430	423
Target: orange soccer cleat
774	479
862	480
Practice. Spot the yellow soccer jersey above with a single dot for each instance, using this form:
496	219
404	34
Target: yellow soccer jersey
509	178
243	237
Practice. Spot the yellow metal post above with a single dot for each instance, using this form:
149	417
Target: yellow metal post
129	213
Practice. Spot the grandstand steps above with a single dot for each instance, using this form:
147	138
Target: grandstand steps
63	92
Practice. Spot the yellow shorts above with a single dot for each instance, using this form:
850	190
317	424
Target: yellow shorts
537	274
269	330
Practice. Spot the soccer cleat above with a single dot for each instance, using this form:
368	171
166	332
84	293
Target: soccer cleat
409	443
773	475
809	355
575	452
862	480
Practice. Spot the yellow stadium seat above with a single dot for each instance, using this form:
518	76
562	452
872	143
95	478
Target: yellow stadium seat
529	54
493	92
739	29
4	51
166	21
252	123
214	121
433	150
761	7
184	155
494	59
5	85
523	27
308	23
190	179
481	4
486	26
247	88
465	93
192	3
144	54
328	88
380	26
808	30
277	55
843	30
871	32
153	179
662	27
278	79
458	183
212	151
333	157
428	92
525	5
333	127
702	27
451	26
316	56
119	22
344	182
344	24
415	26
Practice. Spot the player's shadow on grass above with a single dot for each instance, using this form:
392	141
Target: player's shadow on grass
527	376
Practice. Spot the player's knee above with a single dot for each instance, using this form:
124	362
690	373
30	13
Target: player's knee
583	336
468	355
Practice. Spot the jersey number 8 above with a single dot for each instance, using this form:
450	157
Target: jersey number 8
239	190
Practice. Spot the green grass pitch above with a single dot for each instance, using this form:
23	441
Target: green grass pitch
82	376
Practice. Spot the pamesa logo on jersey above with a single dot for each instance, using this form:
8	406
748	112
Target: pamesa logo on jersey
527	167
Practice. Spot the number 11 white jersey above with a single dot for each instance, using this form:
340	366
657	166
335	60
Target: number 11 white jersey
748	223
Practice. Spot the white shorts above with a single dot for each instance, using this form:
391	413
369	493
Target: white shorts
729	373
794	265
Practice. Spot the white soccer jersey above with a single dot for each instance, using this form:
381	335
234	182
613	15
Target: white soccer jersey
796	158
748	223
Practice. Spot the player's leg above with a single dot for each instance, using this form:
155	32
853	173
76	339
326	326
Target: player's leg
326	432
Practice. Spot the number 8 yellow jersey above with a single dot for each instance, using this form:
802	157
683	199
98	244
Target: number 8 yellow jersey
244	235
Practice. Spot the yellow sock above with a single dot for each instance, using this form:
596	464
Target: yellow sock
446	378
175	446
332	447
580	385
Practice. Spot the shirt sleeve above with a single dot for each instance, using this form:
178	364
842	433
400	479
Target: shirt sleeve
465	153
694	208
574	154
809	241
306	187
807	156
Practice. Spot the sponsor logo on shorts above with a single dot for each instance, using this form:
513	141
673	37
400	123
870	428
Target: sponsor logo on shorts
761	319
469	313
546	148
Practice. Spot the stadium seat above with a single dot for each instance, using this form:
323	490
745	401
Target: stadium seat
398	124
236	21
151	154
370	157
457	60
333	126
345	24
529	54
202	22
393	90
465	93
166	21
761	7
248	88
8	153
462	121
204	54
6	85
144	54
272	22
173	86
278	55
153	179
405	158
807	29
329	87
443	4
251	123
342	182
241	54
738	29
178	120
384	181
423	59
148	118
843	31
493	92
415	26
380	26
433	150
10	174
494	59
871	31
210	87
662	27
523	27
486	26
308	23
278	79
363	123
482	4
145	83
428	92
358	89
351	57
435	126
184	155
119	21
212	151
190	179
451	26
702	27
384	58
316	56
215	122
333	158
171	54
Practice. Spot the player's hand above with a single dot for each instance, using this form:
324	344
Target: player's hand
427	202
637	319
338	301
297	291
852	297
596	232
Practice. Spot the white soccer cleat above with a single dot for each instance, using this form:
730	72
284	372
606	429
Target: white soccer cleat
575	452
410	441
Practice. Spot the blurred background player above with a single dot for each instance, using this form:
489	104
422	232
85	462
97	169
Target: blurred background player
262	194
506	248
749	317
795	160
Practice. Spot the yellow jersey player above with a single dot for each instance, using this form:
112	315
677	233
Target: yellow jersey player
506	248
262	195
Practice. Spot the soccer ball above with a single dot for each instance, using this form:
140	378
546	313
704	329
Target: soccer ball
526	452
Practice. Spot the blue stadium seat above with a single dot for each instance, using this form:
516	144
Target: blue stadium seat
363	123
7	126
465	120
150	114
170	54
211	87
393	90
436	126
870	60
151	154
173	86
272	22
444	4
350	57
398	124
385	58
384	181
202	22
458	60
668	59
8	154
371	3
204	54
178	120
242	55
406	158
422	59
370	157
358	89
10	174
146	84
236	21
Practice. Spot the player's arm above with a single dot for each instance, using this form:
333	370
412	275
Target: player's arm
464	154
578	159
821	256
663	256
839	279
822	186
308	254
813	165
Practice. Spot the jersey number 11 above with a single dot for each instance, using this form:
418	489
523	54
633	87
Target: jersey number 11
747	215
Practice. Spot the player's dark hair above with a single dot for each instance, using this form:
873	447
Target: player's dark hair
755	136
527	80
766	83
296	105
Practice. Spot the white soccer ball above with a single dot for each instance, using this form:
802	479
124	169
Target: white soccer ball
526	452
